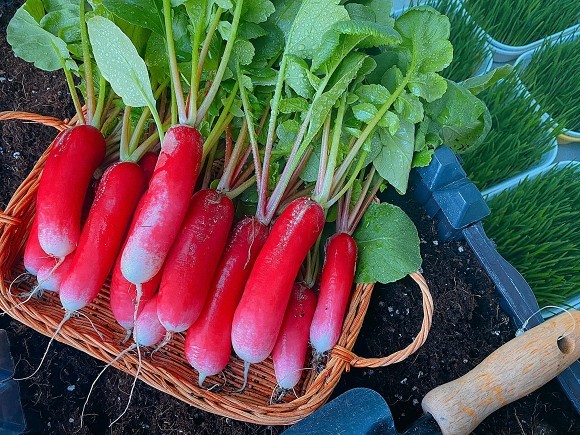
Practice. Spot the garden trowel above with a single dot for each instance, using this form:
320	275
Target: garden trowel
517	368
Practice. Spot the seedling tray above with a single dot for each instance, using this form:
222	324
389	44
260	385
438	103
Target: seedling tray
11	414
459	207
524	60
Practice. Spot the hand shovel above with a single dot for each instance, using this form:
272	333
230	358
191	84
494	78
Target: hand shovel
517	368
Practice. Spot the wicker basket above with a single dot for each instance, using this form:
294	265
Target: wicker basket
169	371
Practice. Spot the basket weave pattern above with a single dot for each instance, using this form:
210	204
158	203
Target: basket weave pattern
169	371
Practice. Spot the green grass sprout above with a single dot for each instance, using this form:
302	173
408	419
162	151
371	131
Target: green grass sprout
535	228
518	137
552	79
520	22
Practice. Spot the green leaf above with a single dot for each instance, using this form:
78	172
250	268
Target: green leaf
478	84
297	76
422	158
382	9
144	13
344	75
257	11
343	36
34	44
364	112
120	63
248	30
243	51
286	133
394	161
390	121
425	34
409	107
376	94
388	245
63	21
292	105
304	36
429	86
35	8
309	173
270	45
463	119
358	12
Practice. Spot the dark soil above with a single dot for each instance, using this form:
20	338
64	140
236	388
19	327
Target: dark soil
468	323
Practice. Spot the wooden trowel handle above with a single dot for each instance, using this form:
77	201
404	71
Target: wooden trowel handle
519	367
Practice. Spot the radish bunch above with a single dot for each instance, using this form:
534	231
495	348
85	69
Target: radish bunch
240	156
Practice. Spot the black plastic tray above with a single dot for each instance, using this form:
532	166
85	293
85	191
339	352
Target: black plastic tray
458	206
11	414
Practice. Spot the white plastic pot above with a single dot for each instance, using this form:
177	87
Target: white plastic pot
503	53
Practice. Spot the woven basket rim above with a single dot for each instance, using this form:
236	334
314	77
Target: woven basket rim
315	390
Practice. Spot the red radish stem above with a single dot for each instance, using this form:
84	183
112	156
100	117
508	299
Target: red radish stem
161	210
193	259
289	353
76	154
119	191
259	315
208	342
335	288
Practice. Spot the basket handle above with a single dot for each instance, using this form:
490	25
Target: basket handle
49	121
8	220
352	360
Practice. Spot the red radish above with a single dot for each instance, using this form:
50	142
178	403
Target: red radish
148	329
335	286
123	296
193	259
76	154
34	256
119	191
259	315
147	163
161	210
289	353
208	342
50	277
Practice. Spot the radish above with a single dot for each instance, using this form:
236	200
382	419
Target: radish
193	259
123	295
335	287
289	352
259	315
76	154
148	163
119	191
34	256
148	330
50	277
208	341
161	210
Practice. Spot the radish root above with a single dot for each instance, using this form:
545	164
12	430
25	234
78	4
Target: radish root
132	387
117	358
66	317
